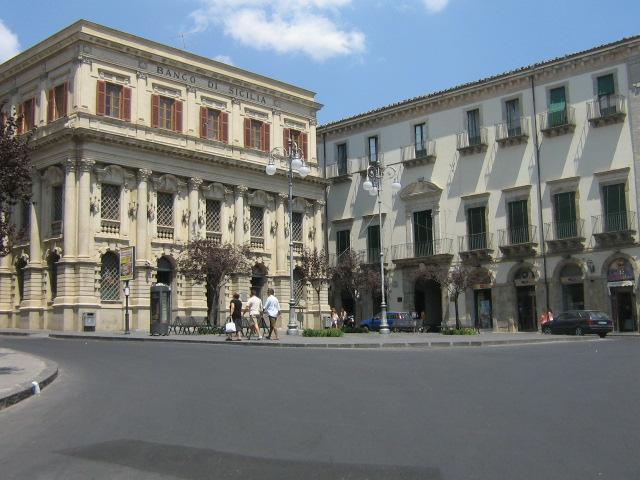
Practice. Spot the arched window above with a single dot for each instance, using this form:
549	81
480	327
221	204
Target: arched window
110	277
20	265
298	285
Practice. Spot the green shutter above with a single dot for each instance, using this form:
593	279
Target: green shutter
605	85
557	100
423	233
342	241
614	201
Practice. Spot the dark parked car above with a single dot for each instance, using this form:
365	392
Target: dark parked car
398	321
580	322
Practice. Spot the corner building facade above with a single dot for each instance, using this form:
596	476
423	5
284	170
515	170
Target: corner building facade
142	144
530	177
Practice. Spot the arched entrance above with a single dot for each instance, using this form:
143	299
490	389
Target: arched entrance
259	274
164	272
428	299
572	280
524	281
621	283
482	299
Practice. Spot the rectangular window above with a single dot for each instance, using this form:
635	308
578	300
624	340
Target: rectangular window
113	100
606	90
423	233
257	135
166	110
298	137
419	136
518	222
477	228
28	112
373	243
57	102
342	158
57	209
372	149
473	126
213	216
557	107
512	108
256	220
110	202
165	209
343	241
296	227
615	207
213	124
565	211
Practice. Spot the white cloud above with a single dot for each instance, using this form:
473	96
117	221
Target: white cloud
9	46
223	59
286	26
435	6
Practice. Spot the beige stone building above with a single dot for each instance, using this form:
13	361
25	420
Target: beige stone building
143	144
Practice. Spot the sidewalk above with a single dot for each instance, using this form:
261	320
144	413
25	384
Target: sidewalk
17	371
368	340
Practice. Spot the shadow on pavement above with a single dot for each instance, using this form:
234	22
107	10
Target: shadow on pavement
196	463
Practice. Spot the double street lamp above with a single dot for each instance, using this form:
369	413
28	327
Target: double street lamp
373	184
294	157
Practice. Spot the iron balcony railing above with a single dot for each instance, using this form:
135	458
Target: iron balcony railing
338	169
471	138
614	222
518	127
476	241
566	230
215	236
517	235
335	258
440	246
417	151
557	119
605	106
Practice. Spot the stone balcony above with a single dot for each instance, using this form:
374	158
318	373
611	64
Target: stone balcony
606	110
518	242
565	237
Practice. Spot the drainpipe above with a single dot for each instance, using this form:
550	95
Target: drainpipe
540	219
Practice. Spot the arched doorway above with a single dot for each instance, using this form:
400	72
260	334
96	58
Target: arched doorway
524	281
482	298
259	274
572	280
164	273
428	299
621	283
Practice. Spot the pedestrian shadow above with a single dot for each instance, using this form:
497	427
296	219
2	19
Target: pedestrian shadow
196	463
9	370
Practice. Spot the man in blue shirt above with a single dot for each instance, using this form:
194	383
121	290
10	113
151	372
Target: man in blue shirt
272	307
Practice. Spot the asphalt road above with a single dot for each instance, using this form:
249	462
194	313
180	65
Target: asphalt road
128	410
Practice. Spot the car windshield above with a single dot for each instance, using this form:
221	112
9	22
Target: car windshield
598	316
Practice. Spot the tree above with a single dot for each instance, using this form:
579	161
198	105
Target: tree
315	270
206	262
15	174
455	280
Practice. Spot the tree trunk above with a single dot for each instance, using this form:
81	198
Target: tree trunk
319	307
213	311
455	301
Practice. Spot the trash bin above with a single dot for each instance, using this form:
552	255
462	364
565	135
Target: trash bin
160	309
326	322
89	321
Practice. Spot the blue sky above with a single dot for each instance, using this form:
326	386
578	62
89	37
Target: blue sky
356	54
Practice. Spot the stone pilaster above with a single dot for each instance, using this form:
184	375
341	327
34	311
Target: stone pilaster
86	262
195	229
239	236
281	242
194	299
317	225
139	298
6	284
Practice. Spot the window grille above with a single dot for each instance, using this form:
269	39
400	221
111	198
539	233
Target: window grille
165	209
53	274
257	221
213	216
20	273
296	227
110	277
57	210
110	202
298	286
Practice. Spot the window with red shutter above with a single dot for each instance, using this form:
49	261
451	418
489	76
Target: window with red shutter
155	111
247	133
203	122
304	146
224	127
126	104
266	136
285	138
177	111
100	97
50	106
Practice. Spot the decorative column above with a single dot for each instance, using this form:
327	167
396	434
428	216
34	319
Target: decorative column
317	225
35	249
140	293
194	204
142	234
281	242
84	194
69	230
31	311
6	283
238	237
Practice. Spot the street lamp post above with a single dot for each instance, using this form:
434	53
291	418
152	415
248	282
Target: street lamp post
373	184
296	163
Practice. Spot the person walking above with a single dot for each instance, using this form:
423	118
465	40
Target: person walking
334	318
235	311
272	307
254	307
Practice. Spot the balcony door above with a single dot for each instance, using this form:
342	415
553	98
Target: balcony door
372	146
373	243
342	159
557	107
343	242
606	89
615	214
518	222
477	228
513	117
565	210
423	233
420	143
473	126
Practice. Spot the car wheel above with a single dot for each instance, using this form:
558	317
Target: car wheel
602	335
579	331
395	330
546	330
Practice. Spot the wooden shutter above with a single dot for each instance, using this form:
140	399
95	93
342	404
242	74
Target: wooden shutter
223	124
50	105
606	85
20	116
203	122
177	115
266	137
155	111
101	96
65	99
247	132
126	104
33	112
304	141
286	133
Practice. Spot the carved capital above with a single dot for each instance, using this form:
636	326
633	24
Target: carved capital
191	89
144	174
320	203
241	190
85	165
283	197
69	165
195	183
141	75
313	122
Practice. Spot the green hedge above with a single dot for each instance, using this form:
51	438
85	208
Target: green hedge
355	330
458	331
328	332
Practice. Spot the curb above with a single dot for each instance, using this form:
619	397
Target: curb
25	390
350	345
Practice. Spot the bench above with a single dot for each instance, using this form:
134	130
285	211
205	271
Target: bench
191	325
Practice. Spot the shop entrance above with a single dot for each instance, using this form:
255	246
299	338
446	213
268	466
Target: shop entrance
428	299
526	301
572	279
621	282
483	309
